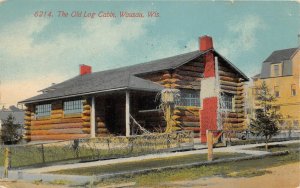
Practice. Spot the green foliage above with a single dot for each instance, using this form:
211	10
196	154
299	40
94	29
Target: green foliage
10	131
266	119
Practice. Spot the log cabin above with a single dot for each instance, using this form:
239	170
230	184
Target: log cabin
102	103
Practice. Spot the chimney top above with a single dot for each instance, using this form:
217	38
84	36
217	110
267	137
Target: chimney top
85	69
205	43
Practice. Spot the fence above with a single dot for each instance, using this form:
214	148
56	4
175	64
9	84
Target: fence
42	154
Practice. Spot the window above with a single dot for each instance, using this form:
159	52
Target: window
276	91
276	70
227	102
293	90
73	107
43	110
189	98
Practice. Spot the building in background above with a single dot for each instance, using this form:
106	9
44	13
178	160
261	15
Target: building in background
280	71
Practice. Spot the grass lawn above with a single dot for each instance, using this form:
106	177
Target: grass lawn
144	164
247	168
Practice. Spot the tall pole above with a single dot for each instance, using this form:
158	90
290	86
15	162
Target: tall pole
93	122
127	113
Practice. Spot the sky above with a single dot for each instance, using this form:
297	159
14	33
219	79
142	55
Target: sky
38	51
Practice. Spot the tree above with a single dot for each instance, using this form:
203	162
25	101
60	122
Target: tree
266	119
10	131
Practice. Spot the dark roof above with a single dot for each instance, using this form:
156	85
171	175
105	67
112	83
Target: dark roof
281	55
118	79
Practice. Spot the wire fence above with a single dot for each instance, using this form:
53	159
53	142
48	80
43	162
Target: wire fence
80	150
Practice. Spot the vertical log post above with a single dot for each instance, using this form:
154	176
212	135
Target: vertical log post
43	153
93	122
6	162
127	113
210	142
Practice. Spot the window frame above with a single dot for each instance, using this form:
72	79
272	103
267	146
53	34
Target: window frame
231	107
72	107
43	110
189	97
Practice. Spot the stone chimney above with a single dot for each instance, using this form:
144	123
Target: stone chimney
205	43
85	69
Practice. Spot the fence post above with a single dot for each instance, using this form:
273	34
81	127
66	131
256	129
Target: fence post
210	141
6	161
43	153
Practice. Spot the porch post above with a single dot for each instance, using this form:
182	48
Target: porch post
93	122
127	112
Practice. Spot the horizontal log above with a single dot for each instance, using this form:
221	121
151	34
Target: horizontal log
177	76
86	112
166	76
234	120
56	121
227	74
229	88
27	113
188	108
195	129
101	124
86	107
86	118
56	116
56	126
229	79
57	137
189	87
228	91
191	68
232	84
190	124
225	69
189	73
169	81
239	105
58	111
192	83
233	115
196	64
238	101
189	118
170	85
58	131
186	113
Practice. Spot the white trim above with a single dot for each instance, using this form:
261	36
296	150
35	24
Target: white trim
127	113
93	122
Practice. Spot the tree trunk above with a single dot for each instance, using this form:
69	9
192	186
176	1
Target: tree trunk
266	146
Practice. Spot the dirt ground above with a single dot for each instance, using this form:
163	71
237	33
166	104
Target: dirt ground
287	176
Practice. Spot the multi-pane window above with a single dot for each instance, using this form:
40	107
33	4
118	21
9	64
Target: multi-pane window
276	91
226	102
73	107
293	90
43	110
189	98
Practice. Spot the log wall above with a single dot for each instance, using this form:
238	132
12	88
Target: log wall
187	76
232	83
58	126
